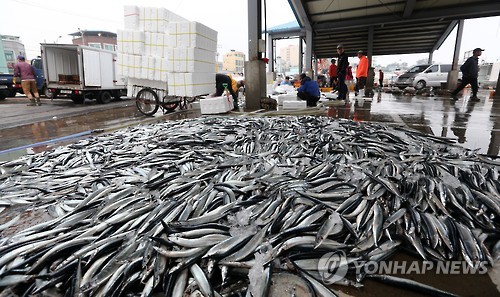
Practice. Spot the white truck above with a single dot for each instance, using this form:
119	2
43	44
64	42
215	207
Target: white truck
82	72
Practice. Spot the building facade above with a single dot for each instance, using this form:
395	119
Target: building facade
234	62
11	48
290	55
98	39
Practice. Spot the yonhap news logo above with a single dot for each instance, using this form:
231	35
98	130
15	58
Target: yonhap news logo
334	266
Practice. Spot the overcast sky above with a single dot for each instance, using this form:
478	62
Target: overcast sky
37	21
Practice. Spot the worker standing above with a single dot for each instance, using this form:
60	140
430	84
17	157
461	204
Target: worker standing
332	72
361	73
380	79
341	72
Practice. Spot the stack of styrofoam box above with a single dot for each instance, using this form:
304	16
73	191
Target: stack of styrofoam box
286	97
191	59
300	104
215	105
146	45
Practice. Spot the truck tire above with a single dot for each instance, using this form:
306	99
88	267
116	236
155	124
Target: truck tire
104	97
420	85
78	99
48	94
3	95
117	95
12	93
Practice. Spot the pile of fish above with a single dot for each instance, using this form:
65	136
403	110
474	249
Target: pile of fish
215	206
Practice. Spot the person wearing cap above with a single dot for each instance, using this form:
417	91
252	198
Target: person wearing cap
28	80
361	73
332	72
342	63
308	90
470	70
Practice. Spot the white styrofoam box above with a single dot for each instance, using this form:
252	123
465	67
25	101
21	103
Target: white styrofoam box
156	19
161	71
148	68
131	17
156	44
216	105
191	84
130	42
122	64
135	66
192	34
287	97
301	104
161	85
190	60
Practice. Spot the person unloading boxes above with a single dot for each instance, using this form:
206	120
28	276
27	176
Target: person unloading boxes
308	90
220	81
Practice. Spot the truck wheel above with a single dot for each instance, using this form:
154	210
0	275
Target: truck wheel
147	102
48	94
3	95
420	85
104	97
78	99
12	93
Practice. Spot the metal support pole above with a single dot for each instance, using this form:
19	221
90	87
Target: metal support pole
429	61
301	55
371	72
270	52
453	74
308	62
255	69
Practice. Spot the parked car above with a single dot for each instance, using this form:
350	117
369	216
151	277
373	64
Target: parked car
425	75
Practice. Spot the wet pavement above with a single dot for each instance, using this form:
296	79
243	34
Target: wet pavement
474	125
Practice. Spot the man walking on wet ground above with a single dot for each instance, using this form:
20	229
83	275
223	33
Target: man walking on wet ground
341	72
28	82
332	72
470	70
361	73
308	90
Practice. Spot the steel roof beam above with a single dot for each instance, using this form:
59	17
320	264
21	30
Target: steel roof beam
445	34
473	10
300	13
410	5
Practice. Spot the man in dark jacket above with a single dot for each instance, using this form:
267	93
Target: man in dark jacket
341	72
308	90
470	70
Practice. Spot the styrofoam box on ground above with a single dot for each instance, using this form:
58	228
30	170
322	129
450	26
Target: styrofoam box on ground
288	105
131	17
216	105
157	19
148	68
190	60
192	34
130	42
191	84
156	44
286	97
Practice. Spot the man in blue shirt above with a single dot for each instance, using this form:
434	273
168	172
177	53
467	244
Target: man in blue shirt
308	90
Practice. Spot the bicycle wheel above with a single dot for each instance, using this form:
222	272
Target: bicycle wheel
147	102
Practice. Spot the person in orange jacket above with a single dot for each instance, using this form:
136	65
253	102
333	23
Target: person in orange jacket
361	72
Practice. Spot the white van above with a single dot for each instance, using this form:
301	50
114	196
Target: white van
422	76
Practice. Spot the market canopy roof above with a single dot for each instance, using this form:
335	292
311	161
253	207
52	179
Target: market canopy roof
399	26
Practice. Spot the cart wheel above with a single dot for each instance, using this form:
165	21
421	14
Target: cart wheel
104	97
147	102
